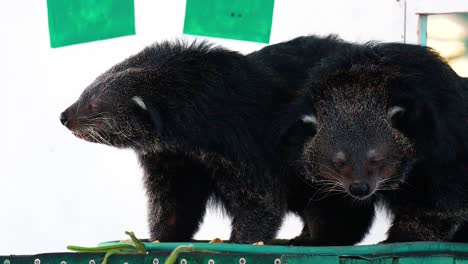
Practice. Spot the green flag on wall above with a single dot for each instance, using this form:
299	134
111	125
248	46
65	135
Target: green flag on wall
240	19
79	21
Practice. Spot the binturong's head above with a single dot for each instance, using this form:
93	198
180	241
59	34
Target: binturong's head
377	117
152	98
354	145
111	111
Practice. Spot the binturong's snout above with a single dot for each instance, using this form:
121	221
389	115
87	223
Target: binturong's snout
360	189
64	118
69	120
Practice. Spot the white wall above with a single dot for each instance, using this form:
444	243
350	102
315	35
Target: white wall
57	190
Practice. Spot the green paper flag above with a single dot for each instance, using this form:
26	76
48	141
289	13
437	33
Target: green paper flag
79	21
235	19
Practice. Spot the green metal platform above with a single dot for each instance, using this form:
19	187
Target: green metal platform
205	253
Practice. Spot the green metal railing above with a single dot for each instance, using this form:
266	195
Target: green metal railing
158	253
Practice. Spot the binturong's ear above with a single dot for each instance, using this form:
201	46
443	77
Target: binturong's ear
395	116
148	109
303	128
296	124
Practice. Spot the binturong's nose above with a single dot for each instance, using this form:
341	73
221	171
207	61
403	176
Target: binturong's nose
64	118
359	189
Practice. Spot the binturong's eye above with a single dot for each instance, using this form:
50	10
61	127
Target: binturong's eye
93	105
375	163
375	158
339	160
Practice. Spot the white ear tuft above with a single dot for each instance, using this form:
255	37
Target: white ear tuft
394	110
309	119
139	102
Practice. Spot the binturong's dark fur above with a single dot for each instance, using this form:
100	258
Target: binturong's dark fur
291	61
380	123
195	115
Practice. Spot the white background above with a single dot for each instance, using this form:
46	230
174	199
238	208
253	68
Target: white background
57	190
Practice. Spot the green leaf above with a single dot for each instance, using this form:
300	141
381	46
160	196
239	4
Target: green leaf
175	253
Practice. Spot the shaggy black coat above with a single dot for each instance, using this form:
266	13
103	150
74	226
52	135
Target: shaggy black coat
291	62
197	116
420	98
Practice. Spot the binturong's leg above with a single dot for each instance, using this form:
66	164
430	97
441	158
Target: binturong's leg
336	222
255	221
178	190
425	224
462	233
257	208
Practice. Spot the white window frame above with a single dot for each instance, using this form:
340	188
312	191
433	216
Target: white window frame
415	9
